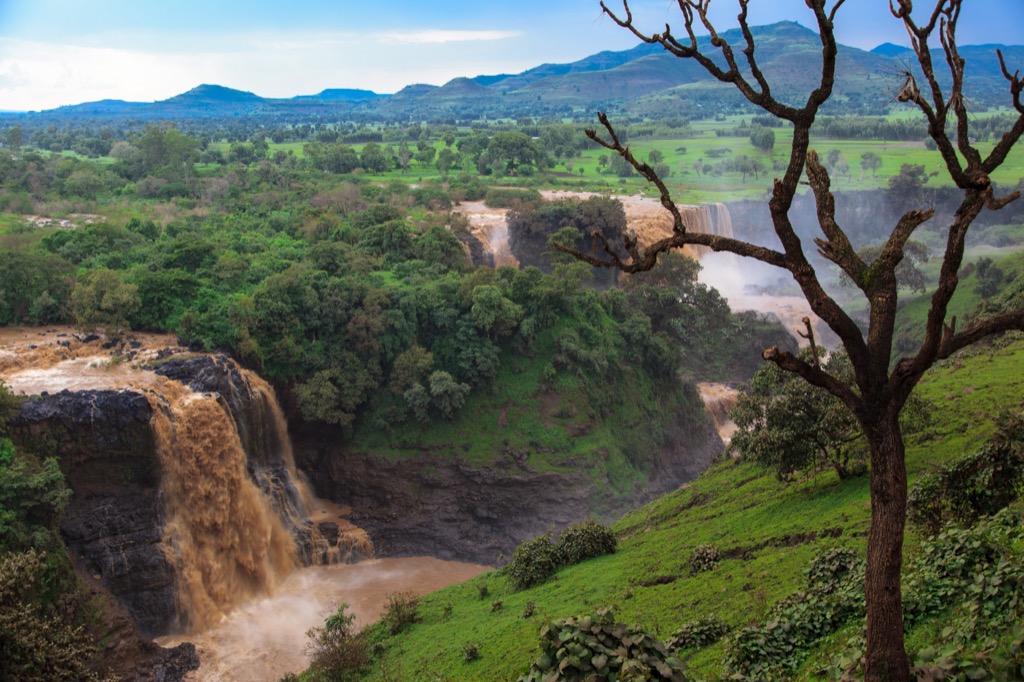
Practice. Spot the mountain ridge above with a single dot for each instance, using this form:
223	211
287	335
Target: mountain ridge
640	79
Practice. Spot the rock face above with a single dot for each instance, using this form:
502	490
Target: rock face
435	504
113	525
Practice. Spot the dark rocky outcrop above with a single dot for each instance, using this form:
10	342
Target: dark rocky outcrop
433	503
113	525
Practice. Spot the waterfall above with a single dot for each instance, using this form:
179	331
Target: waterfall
719	399
709	219
240	517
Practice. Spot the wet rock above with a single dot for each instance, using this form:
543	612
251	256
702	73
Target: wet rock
113	525
119	538
434	504
170	665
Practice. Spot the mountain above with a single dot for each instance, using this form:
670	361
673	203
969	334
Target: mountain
341	95
643	81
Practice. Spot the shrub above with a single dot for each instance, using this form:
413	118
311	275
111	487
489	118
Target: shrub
533	562
972	486
976	567
36	646
834	594
586	540
336	652
704	558
697	634
470	652
507	197
596	647
402	609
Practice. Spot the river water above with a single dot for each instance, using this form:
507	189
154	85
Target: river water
262	640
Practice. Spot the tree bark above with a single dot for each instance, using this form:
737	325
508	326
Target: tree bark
887	660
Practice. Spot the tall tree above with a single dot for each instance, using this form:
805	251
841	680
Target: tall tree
882	382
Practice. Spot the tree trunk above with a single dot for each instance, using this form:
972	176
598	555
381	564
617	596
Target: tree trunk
886	658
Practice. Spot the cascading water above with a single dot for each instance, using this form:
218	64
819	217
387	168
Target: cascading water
239	516
222	537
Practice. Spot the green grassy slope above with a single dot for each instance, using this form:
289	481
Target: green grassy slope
766	531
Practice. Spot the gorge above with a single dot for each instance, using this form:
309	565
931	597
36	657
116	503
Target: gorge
188	507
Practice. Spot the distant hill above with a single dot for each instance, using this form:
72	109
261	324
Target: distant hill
341	94
643	80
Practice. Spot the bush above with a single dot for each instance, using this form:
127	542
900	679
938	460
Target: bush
704	558
36	646
697	634
506	197
972	486
402	609
833	595
533	562
336	652
582	541
596	647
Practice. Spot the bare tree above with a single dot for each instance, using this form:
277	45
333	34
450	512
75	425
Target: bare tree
882	383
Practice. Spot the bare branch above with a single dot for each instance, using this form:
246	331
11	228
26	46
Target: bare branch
809	337
1010	138
952	342
838	248
813	375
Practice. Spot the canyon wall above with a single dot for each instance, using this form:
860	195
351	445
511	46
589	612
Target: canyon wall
434	503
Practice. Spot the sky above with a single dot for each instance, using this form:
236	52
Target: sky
57	52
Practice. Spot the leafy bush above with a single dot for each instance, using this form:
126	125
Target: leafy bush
972	486
585	540
596	647
470	652
507	197
833	595
704	558
36	646
533	562
337	653
976	568
402	610
697	634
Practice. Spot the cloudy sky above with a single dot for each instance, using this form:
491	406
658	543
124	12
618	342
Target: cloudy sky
56	52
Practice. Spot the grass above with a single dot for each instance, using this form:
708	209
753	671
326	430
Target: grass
767	531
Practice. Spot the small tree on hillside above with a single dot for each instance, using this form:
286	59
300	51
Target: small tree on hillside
881	382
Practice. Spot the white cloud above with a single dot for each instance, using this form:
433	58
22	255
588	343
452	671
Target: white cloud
444	36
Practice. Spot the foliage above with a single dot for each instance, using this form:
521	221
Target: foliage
32	496
336	651
533	562
585	540
832	595
976	569
975	485
789	426
704	558
989	278
697	634
402	610
36	647
470	652
103	300
763	138
598	647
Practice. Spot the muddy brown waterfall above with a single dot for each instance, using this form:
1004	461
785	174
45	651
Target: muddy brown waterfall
238	513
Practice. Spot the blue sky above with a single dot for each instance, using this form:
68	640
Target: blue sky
55	52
